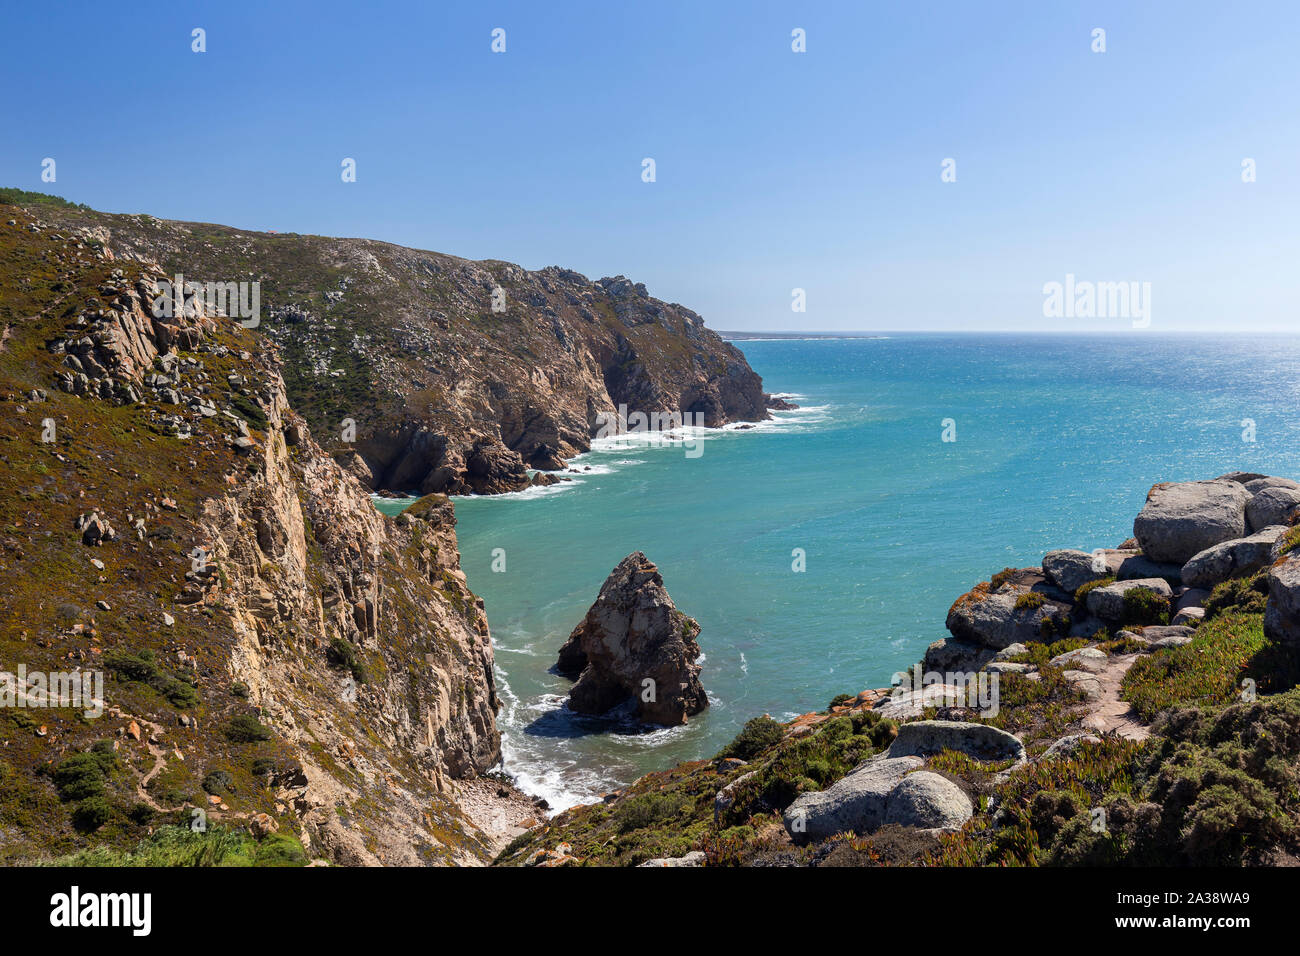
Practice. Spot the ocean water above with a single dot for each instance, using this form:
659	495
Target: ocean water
1057	441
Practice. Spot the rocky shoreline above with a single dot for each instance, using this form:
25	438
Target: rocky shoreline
1128	685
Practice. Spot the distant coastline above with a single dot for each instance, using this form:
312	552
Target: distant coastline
752	336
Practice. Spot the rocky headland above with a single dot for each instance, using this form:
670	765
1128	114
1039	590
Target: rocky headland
427	373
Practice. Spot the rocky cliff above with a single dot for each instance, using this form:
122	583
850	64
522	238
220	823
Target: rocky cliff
277	654
423	372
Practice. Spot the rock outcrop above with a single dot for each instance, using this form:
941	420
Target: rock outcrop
635	644
1181	519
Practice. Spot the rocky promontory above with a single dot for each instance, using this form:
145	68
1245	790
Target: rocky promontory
635	644
428	373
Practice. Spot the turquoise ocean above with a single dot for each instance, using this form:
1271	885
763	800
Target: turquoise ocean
1058	439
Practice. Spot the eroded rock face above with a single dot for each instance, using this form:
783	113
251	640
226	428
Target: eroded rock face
1181	519
634	643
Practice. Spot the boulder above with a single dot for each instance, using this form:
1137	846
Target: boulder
856	802
1181	519
1083	659
1272	506
1000	618
636	645
1069	744
1189	616
1134	567
1006	667
929	801
1086	682
904	703
980	741
951	654
1070	569
1238	556
1256	485
1107	601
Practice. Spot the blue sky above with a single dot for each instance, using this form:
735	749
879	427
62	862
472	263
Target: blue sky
775	170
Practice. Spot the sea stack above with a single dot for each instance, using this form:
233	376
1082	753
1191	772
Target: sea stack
635	644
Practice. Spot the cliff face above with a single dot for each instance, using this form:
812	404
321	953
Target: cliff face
447	390
271	644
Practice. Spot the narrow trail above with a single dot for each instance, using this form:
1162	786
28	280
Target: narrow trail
1108	712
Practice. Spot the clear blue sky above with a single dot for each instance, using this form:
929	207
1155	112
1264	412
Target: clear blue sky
775	170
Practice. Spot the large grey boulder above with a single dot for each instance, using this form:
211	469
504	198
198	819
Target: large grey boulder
855	803
951	655
1003	617
1083	659
1107	601
980	741
1181	519
928	801
1239	556
1272	506
1070	569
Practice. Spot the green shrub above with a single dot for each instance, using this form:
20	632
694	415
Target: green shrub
1029	601
342	654
247	729
1082	592
91	814
1248	595
757	735
217	782
79	777
1143	607
1000	578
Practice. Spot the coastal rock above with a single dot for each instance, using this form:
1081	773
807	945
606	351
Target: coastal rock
1239	556
929	801
951	654
636	644
1084	659
1181	519
856	802
1070	569
1107	601
1011	614
1274	505
1069	744
981	741
694	858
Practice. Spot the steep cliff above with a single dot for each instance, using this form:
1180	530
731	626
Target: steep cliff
275	652
425	372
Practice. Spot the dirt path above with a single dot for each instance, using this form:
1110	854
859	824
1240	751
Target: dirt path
1108	712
